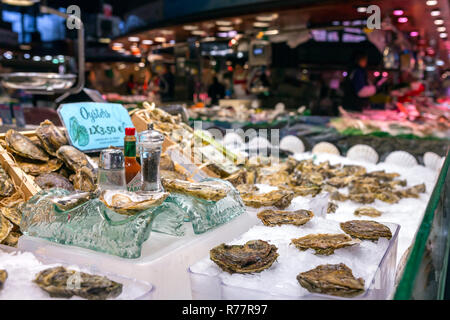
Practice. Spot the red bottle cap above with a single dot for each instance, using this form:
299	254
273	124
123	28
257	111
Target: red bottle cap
130	131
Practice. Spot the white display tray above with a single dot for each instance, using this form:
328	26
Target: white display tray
164	260
210	287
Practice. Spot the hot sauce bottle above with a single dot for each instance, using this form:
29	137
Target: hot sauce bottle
132	167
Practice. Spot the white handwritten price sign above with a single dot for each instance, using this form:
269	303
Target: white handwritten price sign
93	126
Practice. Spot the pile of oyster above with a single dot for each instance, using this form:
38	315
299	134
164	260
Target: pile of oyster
60	282
51	160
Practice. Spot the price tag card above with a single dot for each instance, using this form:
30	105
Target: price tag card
93	126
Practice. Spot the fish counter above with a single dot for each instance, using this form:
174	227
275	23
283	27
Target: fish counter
314	225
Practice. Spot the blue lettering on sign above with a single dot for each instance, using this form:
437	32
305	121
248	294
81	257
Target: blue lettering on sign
95	126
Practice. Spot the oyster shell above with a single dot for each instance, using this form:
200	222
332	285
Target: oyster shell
36	169
340	182
130	203
19	144
305	190
208	190
84	180
332	207
6	185
73	158
254	256
367	211
166	163
51	137
53	180
354	170
337	196
5	227
3	277
12	239
382	175
278	217
366	230
420	188
364	198
237	178
387	196
247	188
333	279
324	243
72	200
277	198
65	283
12	214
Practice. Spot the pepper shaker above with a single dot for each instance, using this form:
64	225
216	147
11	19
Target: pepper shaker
150	148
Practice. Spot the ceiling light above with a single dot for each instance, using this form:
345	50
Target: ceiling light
209	39
261	24
361	9
25	47
223	23
160	39
267	17
190	27
26	56
36	58
438	22
443	35
133	39
198	33
141	64
439	63
166	32
398	12
22	3
431	2
147	42
435	13
271	32
104	40
414	33
441	29
402	19
117	44
225	28
48	57
237	21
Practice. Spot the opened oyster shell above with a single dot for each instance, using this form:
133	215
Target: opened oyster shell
18	144
53	180
51	137
324	243
280	217
6	185
130	203
73	158
277	198
3	277
65	283
12	239
208	190
254	256
84	180
333	279
367	211
35	168
366	230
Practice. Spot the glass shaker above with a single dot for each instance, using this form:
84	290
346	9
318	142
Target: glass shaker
111	170
150	146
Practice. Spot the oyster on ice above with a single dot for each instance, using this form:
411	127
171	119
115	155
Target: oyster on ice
130	203
73	158
324	243
3	277
6	185
278	217
247	188
65	283
366	230
35	168
254	256
332	207
51	137
333	279
12	239
382	175
278	198
208	190
53	180
364	198
387	196
18	144
367	211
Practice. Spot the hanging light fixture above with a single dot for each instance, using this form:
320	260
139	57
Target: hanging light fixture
21	3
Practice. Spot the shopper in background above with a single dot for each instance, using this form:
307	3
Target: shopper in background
216	91
240	82
131	85
357	88
167	84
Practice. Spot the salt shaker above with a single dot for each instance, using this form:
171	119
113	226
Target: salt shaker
150	146
111	170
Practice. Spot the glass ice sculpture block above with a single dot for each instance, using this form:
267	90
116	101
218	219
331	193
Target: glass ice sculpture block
91	225
206	214
169	219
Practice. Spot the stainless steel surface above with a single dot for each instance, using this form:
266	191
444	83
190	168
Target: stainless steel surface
38	81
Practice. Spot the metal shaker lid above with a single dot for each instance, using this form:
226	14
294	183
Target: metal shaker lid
111	159
150	136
